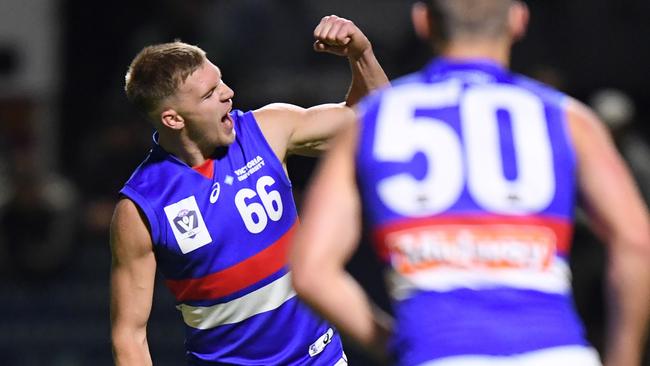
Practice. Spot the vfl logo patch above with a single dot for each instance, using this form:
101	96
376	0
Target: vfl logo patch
187	224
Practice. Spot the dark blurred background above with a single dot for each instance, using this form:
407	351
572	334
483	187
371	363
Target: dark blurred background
69	139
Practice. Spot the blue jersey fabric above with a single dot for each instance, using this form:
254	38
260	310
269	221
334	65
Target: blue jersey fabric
221	246
467	177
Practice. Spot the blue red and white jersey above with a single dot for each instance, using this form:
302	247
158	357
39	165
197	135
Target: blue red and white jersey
221	236
467	177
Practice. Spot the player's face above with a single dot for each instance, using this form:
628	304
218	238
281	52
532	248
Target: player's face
205	101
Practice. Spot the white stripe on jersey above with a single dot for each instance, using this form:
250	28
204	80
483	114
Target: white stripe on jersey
267	298
556	356
555	280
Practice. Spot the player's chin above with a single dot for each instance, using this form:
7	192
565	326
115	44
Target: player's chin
231	137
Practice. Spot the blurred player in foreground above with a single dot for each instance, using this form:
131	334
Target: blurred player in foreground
467	176
211	208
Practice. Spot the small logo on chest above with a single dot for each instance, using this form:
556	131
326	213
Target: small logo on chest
187	224
214	195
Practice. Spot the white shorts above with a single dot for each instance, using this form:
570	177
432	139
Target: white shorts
556	356
343	361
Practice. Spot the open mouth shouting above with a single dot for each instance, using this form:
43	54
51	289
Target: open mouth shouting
227	119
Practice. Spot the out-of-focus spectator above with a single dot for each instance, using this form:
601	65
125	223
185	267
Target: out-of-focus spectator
38	223
120	147
550	75
38	215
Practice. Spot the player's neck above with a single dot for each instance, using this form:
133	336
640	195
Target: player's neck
184	149
498	52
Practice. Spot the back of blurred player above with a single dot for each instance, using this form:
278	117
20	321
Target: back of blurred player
467	176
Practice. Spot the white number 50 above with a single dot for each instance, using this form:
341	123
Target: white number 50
477	161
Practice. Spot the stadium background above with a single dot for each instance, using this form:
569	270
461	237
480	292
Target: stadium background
68	138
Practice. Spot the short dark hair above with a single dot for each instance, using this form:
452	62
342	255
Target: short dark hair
474	18
157	71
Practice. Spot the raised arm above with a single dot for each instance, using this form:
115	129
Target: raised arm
619	216
133	269
305	131
341	37
327	237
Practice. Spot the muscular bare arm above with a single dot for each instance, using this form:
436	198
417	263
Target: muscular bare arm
620	218
327	237
305	131
133	269
341	37
290	129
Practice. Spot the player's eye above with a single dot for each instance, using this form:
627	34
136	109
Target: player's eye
209	94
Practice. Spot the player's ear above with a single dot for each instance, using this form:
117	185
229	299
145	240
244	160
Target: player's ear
420	17
171	119
518	20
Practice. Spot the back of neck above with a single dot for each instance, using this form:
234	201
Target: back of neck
497	51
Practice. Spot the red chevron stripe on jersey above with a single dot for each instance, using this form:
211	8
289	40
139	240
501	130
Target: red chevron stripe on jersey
236	277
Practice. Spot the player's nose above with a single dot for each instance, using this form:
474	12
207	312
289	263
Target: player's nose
226	93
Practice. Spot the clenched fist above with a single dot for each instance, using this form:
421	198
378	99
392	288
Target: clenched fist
341	37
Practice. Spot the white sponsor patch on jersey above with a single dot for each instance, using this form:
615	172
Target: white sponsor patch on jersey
251	167
187	224
472	247
322	342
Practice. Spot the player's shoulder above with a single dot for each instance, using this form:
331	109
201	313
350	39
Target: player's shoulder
582	118
129	233
542	90
125	209
277	118
126	214
276	111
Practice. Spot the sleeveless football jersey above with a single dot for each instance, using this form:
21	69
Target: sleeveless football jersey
221	245
467	177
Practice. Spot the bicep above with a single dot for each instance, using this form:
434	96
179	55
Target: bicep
302	131
314	131
133	268
608	191
330	226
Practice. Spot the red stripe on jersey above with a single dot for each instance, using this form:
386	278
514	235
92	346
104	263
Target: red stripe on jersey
236	277
562	228
206	169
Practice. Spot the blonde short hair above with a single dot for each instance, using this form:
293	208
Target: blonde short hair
157	71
